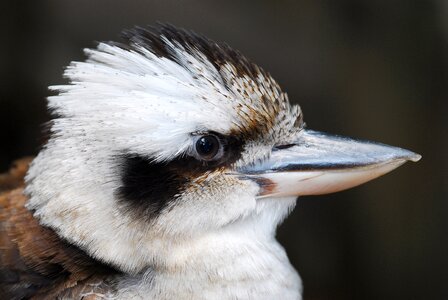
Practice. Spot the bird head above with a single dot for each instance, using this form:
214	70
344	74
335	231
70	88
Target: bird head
167	137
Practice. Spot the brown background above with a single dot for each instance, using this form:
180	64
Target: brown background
369	69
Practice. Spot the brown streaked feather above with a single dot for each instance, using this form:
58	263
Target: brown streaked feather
15	177
238	74
34	262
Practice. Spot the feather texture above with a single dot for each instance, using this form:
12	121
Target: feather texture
34	262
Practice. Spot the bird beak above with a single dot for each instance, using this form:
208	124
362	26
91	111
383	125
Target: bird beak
318	163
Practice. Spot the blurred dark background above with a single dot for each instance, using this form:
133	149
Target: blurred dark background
369	69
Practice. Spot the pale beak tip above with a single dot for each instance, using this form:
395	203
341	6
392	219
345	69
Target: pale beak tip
415	157
407	155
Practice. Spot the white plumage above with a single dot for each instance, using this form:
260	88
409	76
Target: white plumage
152	99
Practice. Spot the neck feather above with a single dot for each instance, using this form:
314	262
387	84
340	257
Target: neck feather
231	264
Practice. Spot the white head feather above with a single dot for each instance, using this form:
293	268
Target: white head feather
150	97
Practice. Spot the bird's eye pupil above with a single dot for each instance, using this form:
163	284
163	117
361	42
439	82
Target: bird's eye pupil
207	147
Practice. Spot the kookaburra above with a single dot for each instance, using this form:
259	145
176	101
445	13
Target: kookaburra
171	161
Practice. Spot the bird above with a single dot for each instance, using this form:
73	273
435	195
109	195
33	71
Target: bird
170	162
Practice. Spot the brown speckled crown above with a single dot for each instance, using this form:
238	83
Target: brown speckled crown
263	106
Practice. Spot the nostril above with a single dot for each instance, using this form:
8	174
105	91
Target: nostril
279	147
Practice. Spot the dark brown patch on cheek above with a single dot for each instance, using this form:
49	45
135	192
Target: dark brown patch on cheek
148	186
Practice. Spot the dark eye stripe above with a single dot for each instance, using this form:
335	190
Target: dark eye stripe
147	186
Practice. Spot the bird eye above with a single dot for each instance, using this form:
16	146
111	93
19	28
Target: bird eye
208	147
